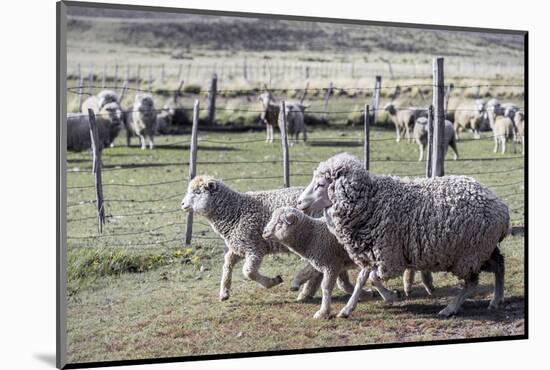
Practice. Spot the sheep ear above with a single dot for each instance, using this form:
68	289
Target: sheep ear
289	218
212	186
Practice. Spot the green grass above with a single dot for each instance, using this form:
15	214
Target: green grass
143	294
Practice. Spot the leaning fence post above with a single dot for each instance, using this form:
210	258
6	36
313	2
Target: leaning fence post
116	77
430	141
80	92
439	118
366	135
192	166
96	170
91	81
138	77
325	103
376	98
104	77
284	142
212	100
177	93
150	78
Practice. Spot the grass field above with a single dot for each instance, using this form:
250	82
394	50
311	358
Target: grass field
137	292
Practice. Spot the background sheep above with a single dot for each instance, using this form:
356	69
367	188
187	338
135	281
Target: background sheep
164	119
403	120
420	133
295	122
240	218
143	120
109	124
269	115
310	239
519	121
388	224
503	130
96	103
294	117
469	115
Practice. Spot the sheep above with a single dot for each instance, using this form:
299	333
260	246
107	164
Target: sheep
164	119
239	219
403	120
310	238
143	120
109	123
503	130
420	133
492	109
469	115
388	224
294	116
519	121
97	105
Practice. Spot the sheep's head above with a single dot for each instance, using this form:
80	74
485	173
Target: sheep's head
200	194
479	106
265	98
317	194
283	223
390	108
113	113
105	97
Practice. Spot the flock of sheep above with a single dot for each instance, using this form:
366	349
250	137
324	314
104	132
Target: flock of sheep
349	218
141	120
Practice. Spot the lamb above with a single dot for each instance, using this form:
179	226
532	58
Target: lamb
388	224
503	130
310	238
109	124
403	120
420	133
239	219
469	115
519	120
294	116
142	122
164	119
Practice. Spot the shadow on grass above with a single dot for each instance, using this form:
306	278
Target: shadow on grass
335	143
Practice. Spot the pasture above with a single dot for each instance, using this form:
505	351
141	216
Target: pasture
137	291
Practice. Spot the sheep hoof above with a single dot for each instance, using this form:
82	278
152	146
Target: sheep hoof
278	280
447	312
304	298
224	296
294	288
321	315
344	313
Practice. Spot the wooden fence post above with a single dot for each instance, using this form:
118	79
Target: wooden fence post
366	134
430	141
116	77
305	93
180	69
123	91
162	79
80	87
192	166
212	100
138	77
284	142
150	78
96	170
177	93
325	103
104	77
127	76
376	98
447	96
438	168
245	72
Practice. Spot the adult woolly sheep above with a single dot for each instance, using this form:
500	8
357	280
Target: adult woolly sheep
143	120
503	130
388	224
97	105
239	219
519	121
420	133
469	115
294	116
403	119
164	119
310	238
109	124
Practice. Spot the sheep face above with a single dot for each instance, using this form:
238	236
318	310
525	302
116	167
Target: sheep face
315	195
200	195
265	98
112	112
390	108
283	223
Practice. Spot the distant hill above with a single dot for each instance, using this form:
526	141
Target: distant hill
161	30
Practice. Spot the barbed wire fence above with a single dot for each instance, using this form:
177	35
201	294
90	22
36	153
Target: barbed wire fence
180	233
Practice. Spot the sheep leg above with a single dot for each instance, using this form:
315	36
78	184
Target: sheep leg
305	134
455	149
230	259
302	276
271	133
503	142
266	132
310	288
397	133
329	279
427	281
408	281
470	286
142	141
151	142
128	138
495	149
250	271
387	295
496	265
352	302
